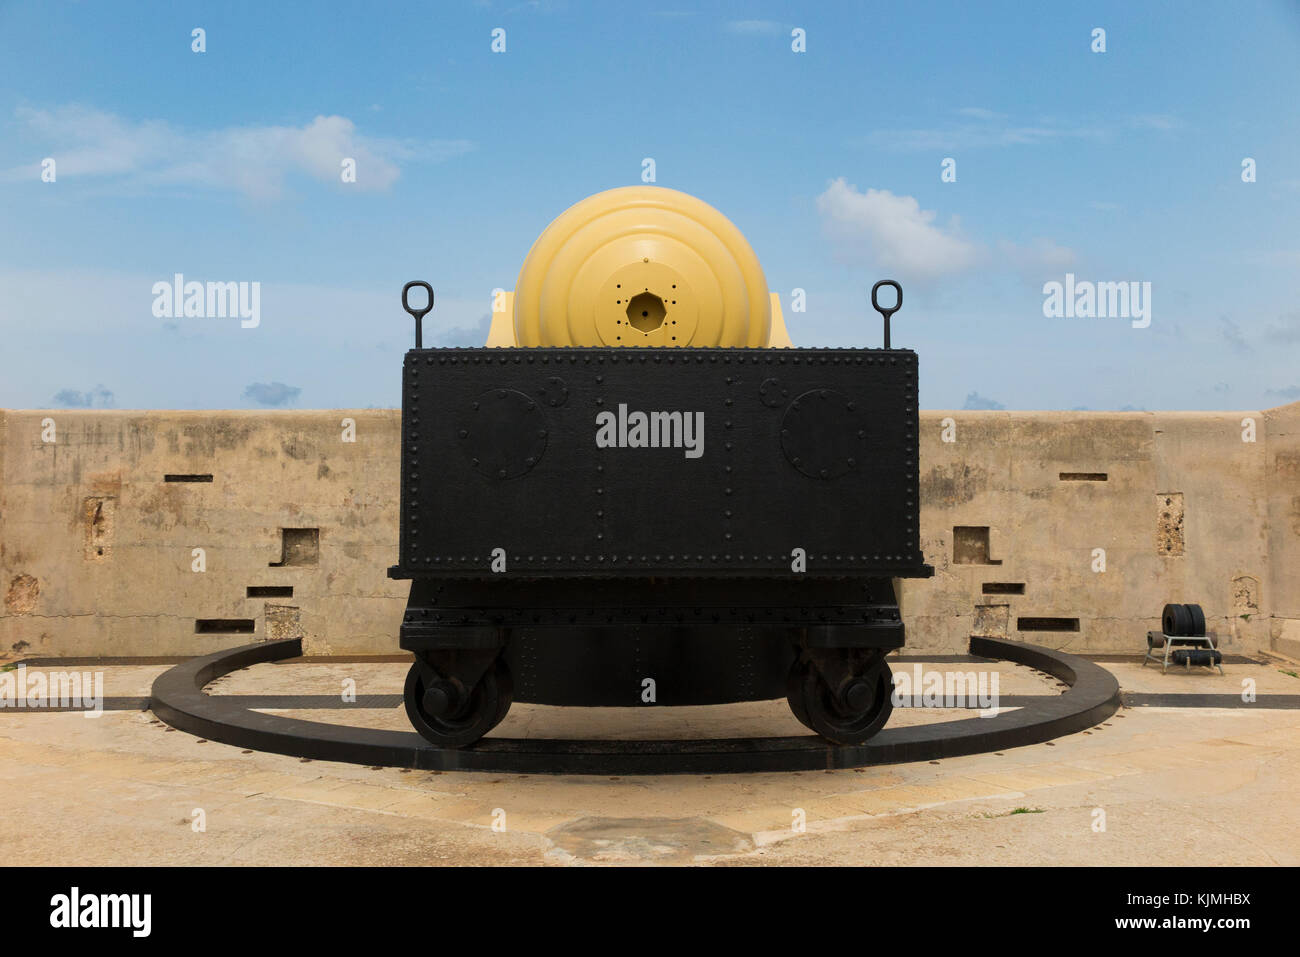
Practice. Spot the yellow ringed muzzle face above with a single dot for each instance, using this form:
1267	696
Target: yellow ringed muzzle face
642	266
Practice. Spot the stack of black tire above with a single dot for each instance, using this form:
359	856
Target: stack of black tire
1184	621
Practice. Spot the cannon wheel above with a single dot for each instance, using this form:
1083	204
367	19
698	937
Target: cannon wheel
480	709
821	708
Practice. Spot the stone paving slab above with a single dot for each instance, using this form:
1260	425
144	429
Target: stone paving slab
122	788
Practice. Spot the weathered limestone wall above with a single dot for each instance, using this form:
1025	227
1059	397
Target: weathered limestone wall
1283	454
1003	471
97	548
110	543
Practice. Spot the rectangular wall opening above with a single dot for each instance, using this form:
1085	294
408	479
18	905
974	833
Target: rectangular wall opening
970	545
1083	476
298	546
270	591
223	626
187	477
1004	588
1047	624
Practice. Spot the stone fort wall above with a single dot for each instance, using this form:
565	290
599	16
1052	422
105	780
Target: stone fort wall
179	533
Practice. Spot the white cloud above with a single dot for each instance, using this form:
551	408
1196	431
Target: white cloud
1286	258
893	231
762	27
1155	121
1232	335
976	401
979	135
312	336
984	128
272	393
1035	256
254	160
1286	330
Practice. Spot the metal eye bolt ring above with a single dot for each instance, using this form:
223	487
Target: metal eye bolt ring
419	314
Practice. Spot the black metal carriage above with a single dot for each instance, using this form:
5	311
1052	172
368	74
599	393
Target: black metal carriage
656	526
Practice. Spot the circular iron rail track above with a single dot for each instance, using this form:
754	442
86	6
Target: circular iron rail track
178	699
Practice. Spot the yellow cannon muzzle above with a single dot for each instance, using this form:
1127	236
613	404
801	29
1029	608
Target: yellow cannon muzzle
640	266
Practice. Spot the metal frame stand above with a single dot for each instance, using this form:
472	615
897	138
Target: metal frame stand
1166	642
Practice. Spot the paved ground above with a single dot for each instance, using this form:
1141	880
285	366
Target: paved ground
1153	785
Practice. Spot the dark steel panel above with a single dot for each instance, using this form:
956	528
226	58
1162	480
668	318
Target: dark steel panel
801	448
703	641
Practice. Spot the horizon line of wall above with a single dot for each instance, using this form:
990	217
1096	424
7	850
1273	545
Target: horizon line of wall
131	533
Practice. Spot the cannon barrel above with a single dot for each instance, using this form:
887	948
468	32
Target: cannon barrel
640	266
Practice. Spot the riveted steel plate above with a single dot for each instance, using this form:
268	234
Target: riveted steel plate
825	434
502	433
663	462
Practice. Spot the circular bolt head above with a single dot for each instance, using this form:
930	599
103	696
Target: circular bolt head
857	694
438	699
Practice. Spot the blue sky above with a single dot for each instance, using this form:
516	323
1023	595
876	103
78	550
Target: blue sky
223	166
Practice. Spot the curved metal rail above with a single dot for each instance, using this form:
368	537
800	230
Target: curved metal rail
178	699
